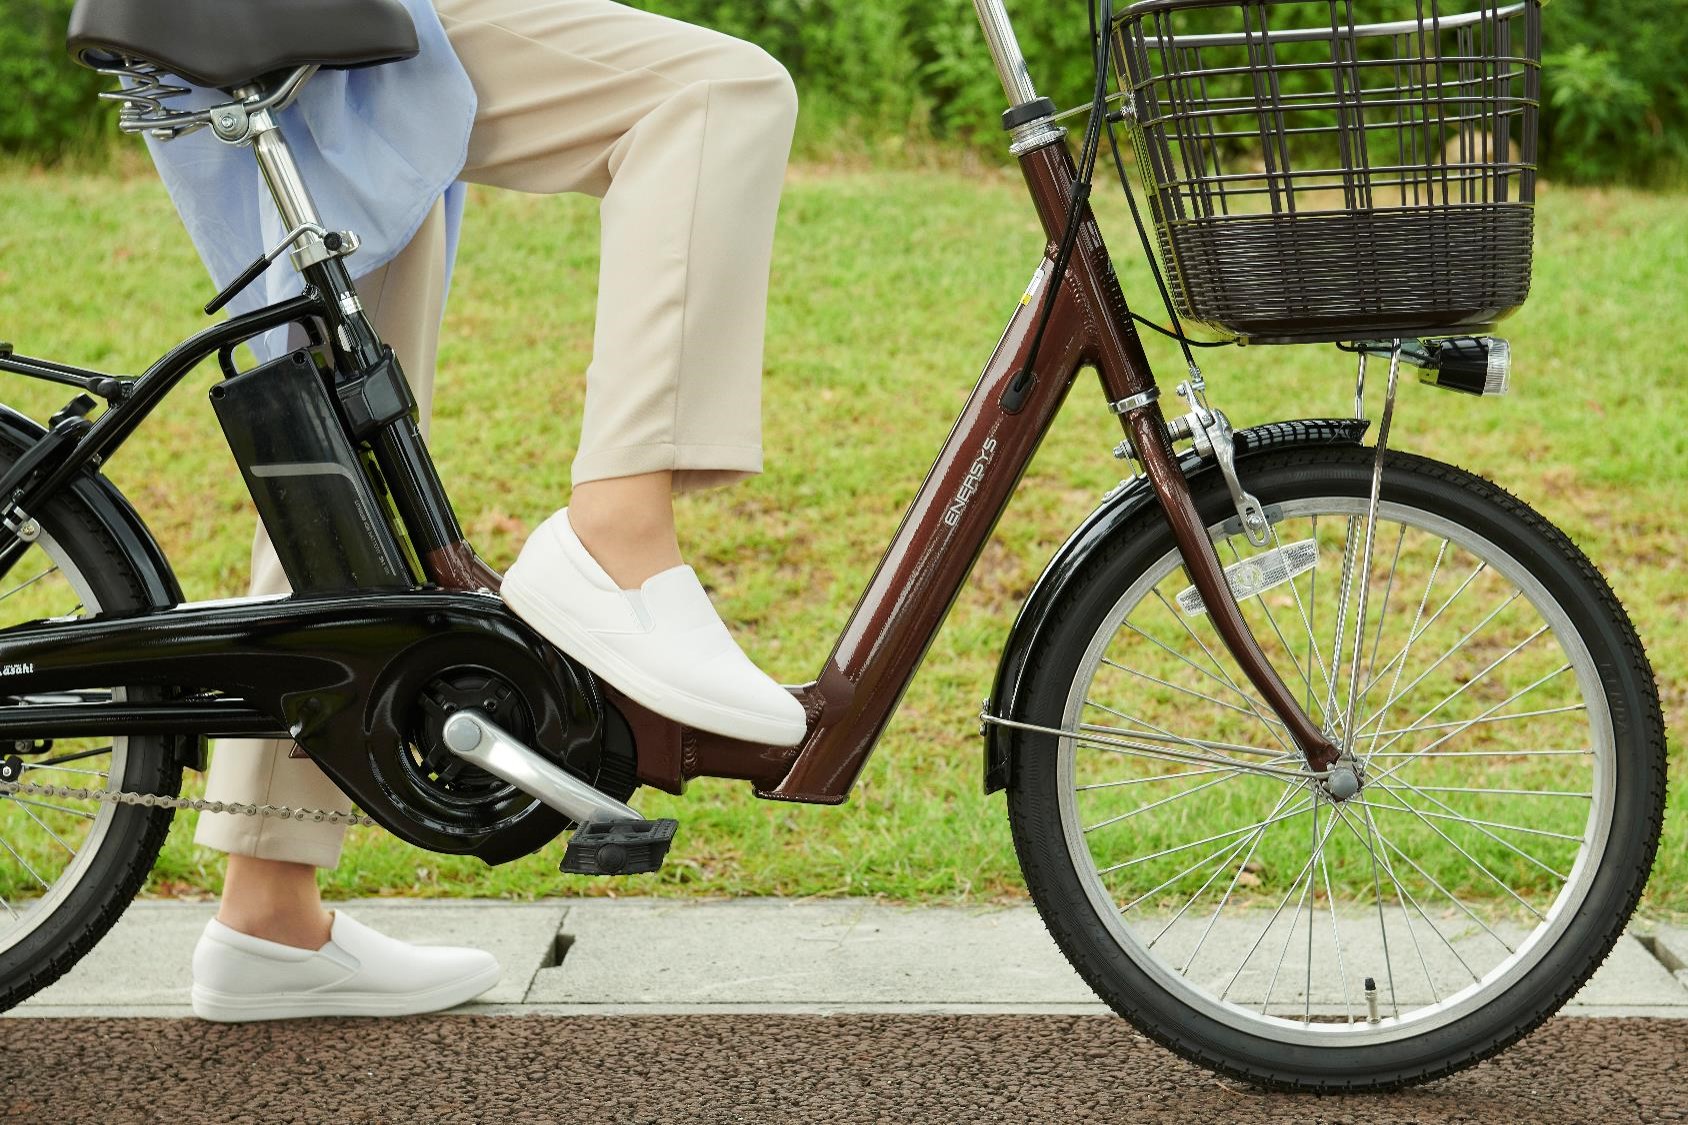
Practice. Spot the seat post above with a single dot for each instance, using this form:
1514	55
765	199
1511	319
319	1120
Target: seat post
320	256
281	173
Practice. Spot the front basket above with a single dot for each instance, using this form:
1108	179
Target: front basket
1315	178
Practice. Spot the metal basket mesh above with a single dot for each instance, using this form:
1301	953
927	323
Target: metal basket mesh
1315	178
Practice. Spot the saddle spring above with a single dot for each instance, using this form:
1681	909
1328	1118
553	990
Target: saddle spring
142	97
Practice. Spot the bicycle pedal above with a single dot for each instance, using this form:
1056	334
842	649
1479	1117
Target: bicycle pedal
618	847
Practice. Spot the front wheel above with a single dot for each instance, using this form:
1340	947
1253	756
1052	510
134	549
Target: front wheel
1512	762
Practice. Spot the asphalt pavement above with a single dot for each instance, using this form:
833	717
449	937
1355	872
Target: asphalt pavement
839	1070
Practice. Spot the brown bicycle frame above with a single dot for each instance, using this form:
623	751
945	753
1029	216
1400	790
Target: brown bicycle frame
947	526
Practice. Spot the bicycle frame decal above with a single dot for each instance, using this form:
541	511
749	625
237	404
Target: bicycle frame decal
971	485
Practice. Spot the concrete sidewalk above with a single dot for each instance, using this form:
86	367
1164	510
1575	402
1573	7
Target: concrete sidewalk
650	956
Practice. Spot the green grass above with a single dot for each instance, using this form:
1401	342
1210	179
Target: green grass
890	289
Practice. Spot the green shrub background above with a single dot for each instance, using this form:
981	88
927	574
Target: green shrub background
888	72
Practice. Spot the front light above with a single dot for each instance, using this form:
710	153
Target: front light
1473	365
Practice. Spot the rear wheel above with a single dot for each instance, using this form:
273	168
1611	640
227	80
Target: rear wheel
69	866
1512	758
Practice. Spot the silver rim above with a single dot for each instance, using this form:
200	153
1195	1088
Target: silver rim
1252	896
47	843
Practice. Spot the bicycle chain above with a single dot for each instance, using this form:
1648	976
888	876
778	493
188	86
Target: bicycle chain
155	801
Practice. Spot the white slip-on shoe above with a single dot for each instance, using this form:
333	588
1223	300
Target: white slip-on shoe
662	644
238	977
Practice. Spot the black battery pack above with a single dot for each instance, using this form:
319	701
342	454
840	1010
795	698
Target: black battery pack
312	492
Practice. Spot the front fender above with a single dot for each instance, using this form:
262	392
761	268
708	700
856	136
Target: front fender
1117	508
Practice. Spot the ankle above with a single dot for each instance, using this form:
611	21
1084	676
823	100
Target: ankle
274	900
627	525
631	548
301	929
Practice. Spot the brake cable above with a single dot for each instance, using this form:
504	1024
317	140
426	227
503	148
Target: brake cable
1101	118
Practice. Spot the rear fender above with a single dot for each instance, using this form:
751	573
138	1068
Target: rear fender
118	518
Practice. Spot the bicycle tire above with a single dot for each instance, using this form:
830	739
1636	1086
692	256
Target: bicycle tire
1209	1034
130	843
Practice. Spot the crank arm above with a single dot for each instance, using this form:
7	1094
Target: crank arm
475	738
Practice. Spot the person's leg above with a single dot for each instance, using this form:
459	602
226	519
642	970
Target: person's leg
273	952
270	887
683	133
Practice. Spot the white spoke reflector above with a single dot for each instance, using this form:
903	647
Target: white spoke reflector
1256	574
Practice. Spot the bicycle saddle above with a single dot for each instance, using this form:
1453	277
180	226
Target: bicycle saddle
229	43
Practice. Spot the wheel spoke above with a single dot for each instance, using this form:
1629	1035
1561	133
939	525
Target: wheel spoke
1468	724
1493	719
1483	753
1271	619
1188	691
1395	697
1253	705
1298	811
1312	615
1253	845
1383	611
1501	792
1420	626
47	829
1154	640
1469	858
1223	853
22	586
1305	881
1425	914
1261	936
1313	653
1508	844
1401	897
1471	820
1451	897
44	805
1333	704
1382	922
1312	909
1336	934
24	863
1190	792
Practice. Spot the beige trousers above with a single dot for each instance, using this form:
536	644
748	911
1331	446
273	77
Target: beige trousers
683	133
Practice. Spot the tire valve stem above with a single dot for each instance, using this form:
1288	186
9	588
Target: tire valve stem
1371	1001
